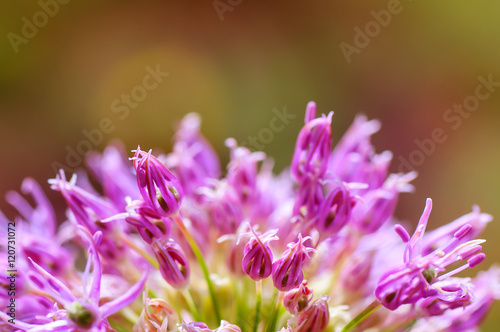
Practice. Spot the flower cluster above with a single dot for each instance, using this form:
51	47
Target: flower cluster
171	242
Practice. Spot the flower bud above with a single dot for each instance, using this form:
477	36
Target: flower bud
223	206
158	186
308	199
314	145
315	318
355	273
242	171
335	211
257	256
150	228
174	266
297	299
378	205
287	270
157	315
193	160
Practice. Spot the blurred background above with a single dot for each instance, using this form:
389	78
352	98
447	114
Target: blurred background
130	70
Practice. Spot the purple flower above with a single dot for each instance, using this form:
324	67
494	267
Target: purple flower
418	277
41	218
315	318
39	240
157	315
193	159
149	228
227	327
335	211
440	236
223	206
377	206
158	186
242	171
80	313
114	173
308	199
287	270
87	208
354	159
177	214
174	266
314	145
195	327
454	293
298	299
257	260
202	327
486	289
356	272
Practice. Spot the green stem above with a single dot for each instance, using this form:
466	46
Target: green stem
141	252
188	296
152	294
203	265
258	286
238	304
361	316
274	316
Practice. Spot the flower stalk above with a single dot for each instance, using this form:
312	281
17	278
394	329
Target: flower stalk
202	263
362	316
258	301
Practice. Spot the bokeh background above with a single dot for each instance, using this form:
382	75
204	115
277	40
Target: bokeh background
236	64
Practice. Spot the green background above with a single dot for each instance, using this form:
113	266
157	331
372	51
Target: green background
234	72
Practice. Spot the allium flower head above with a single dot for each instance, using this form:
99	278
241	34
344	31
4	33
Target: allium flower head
166	231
